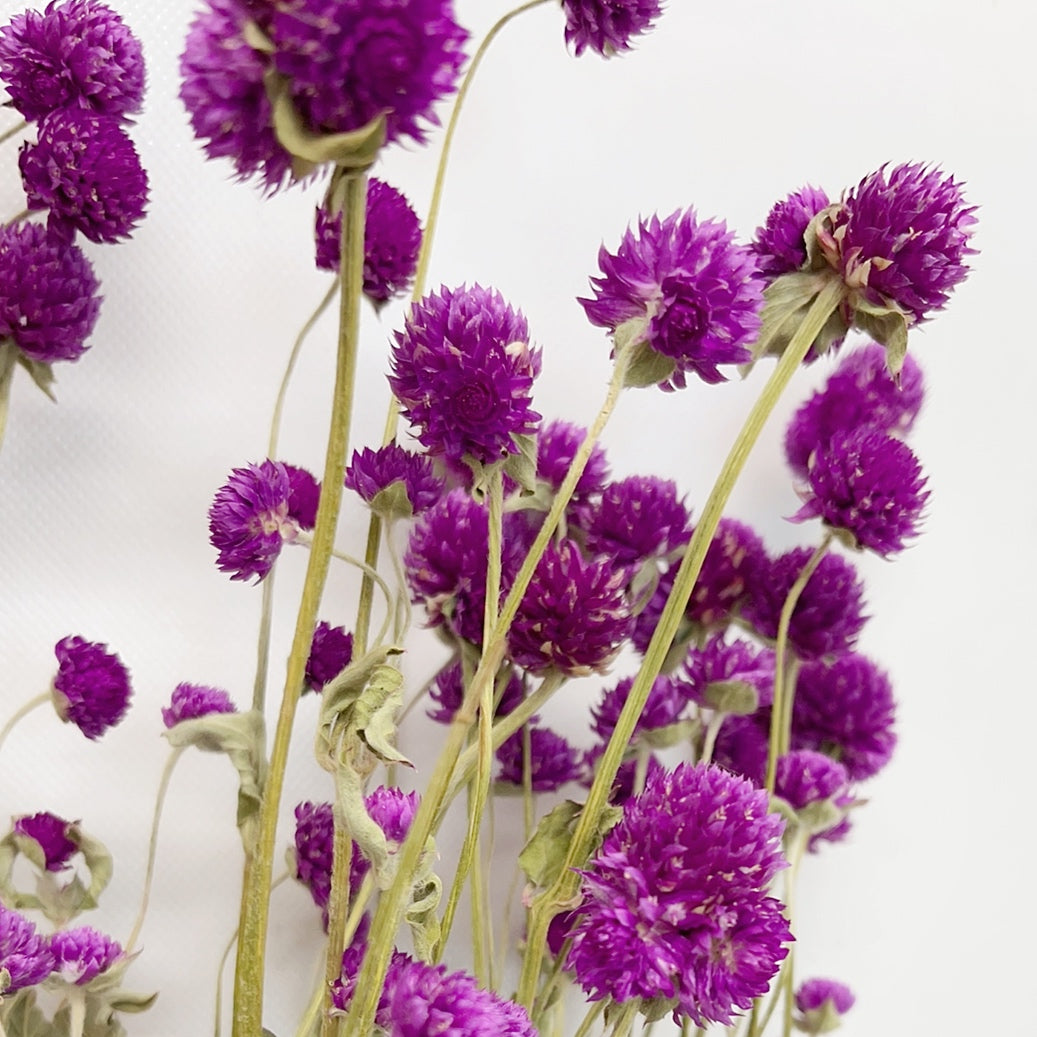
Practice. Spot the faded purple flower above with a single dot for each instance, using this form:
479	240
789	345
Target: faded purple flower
664	706
779	243
447	691
25	956
82	954
607	26
92	687
722	661
331	651
191	701
821	1002
638	518
553	761
54	836
372	471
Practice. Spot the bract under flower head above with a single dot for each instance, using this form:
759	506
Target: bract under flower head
92	687
190	701
607	26
82	954
25	957
700	293
331	651
780	243
719	661
51	834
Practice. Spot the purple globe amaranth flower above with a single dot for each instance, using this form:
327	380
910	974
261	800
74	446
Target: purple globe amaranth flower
191	701
821	1002
859	392
638	518
393	811
78	54
557	446
674	903
607	26
719	661
463	371
331	651
392	241
372	471
92	687
82	954
829	615
664	706
314	850
447	691
574	616
869	486
56	838
742	747
805	776
699	292
779	244
86	171
25	957
49	299
553	761
303	496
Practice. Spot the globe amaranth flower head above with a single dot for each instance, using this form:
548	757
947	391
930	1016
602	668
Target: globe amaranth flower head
331	651
820	1003
607	26
392	241
191	701
92	687
55	838
720	661
447	692
78	54
553	762
259	509
25	957
674	903
780	244
666	702
49	299
700	293
86	171
463	372
371	471
638	518
557	445
82	954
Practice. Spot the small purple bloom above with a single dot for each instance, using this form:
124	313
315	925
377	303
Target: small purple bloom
55	837
721	661
331	651
92	687
372	471
82	954
664	706
393	811
314	850
557	444
303	496
86	171
779	243
553	761
25	956
638	518
742	747
447	692
191	701
804	776
49	298
815	995
607	26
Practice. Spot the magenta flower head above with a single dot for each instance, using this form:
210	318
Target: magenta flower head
86	171
393	811
780	244
720	662
92	687
664	706
331	651
82	954
49	299
867	486
699	293
77	54
821	1003
607	26
447	692
805	776
557	444
191	701
553	761
55	837
463	372
25	957
314	849
372	471
638	518
674	903
392	240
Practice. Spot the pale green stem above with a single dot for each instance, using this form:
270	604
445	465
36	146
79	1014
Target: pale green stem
641	768
266	616
363	612
3	1032
338	908
255	899
709	741
403	610
13	131
76	1010
554	977
308	1022
8	359
624	1021
382	586
588	1021
528	799
584	837
25	710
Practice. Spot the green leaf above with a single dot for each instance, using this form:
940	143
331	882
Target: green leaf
22	1016
421	913
739	698
542	857
42	375
647	367
391	502
522	467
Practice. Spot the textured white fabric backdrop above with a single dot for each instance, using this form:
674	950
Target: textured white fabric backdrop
927	911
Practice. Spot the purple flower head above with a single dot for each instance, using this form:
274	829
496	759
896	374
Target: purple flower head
303	497
665	704
25	957
742	747
557	444
392	240
805	776
331	651
779	243
463	371
447	691
859	392
82	954
818	998
393	811
827	618
699	291
190	701
372	471
607	26
92	687
638	518
902	236
574	615
56	838
674	902
626	777
86	171
720	661
553	761
869	485
48	294
845	710
78	54
314	850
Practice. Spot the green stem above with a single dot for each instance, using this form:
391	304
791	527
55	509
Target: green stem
255	898
27	708
624	1021
266	617
13	131
8	359
709	741
363	613
590	1018
338	908
76	1010
564	888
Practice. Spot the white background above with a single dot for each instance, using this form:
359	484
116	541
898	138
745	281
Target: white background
927	912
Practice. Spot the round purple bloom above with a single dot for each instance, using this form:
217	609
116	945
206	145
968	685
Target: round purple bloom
553	761
700	292
190	701
447	692
331	651
664	706
25	957
92	687
674	902
721	661
780	243
557	444
314	849
86	171
392	240
49	298
742	746
78	54
638	518
607	26
574	615
393	811
463	371
371	471
804	776
814	994
303	496
54	836
82	954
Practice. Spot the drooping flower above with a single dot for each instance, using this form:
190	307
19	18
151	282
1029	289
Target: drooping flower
49	299
331	651
53	836
86	171
553	761
607	26
92	687
78	54
82	954
821	1002
719	661
463	371
25	957
371	471
190	701
638	518
779	244
447	692
699	292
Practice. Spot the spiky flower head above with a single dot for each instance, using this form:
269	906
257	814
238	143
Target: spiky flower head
82	954
607	26
191	701
371	471
463	372
804	776
447	692
780	244
665	704
742	746
303	496
25	957
49	299
638	518
86	171
393	811
674	904
557	445
331	651
719	662
698	291
821	1003
54	836
78	54
92	687
553	762
314	850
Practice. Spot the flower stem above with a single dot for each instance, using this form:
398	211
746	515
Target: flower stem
590	1018
363	613
266	616
27	708
76	1010
13	131
8	359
